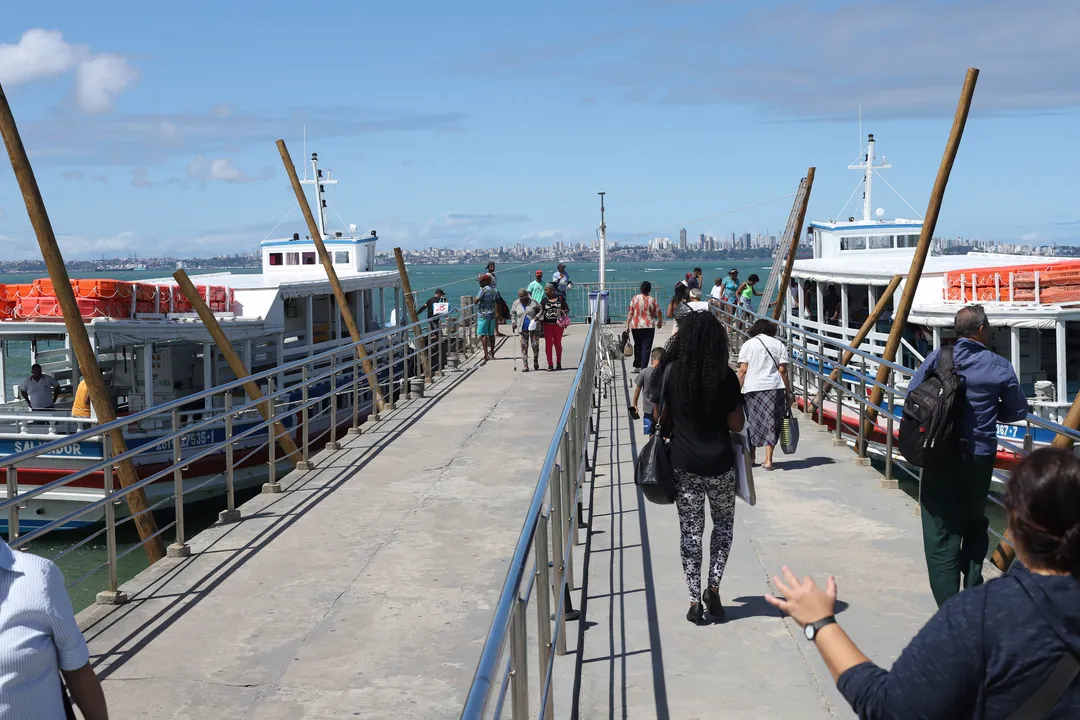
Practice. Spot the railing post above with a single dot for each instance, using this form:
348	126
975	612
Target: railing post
13	511
519	662
390	373
111	596
568	517
860	450
272	485
230	514
543	610
356	370
839	439
305	436
180	547
888	481
558	551
333	444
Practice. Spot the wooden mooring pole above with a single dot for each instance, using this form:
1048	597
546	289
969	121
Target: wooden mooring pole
80	340
331	275
922	250
236	364
785	280
410	303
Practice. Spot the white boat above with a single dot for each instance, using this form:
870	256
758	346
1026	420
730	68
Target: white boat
1032	302
158	350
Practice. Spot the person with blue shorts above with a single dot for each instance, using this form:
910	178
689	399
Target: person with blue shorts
486	301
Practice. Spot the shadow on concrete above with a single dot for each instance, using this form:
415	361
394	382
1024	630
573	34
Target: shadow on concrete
803	463
108	660
620	444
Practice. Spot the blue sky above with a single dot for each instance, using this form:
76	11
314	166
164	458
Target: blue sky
152	129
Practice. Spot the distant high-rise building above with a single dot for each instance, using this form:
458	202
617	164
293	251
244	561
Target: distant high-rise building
682	239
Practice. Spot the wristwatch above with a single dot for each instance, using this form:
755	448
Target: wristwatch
812	629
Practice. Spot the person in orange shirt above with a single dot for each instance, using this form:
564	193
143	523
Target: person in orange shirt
80	407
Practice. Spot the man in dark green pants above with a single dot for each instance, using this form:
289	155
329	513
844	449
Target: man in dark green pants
953	493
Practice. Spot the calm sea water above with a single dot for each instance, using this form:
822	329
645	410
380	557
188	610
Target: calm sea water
456	280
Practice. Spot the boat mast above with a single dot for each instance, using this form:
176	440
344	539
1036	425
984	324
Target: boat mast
867	165
319	182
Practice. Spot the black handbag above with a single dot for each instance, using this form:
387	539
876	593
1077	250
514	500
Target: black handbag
653	472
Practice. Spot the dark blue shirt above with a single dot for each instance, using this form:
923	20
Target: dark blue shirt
993	392
985	652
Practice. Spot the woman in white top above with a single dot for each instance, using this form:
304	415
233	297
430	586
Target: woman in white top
763	363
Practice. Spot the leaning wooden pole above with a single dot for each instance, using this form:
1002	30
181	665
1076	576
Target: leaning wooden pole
867	327
410	303
785	279
922	250
331	275
80	340
236	364
1004	554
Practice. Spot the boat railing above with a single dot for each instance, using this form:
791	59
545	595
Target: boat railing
333	388
541	568
814	358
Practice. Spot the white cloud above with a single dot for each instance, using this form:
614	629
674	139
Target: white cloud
42	54
38	55
100	79
72	175
170	133
457	219
224	169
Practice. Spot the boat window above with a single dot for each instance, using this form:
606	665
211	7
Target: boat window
292	258
275	258
907	240
309	258
880	242
853	243
341	257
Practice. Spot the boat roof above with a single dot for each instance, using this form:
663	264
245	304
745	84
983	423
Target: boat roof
290	285
877	268
844	226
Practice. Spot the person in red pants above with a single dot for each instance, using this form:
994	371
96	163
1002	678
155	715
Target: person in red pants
553	309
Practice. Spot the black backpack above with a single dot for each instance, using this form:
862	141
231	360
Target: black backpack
932	426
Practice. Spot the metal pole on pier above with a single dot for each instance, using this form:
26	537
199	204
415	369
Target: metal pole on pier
80	340
922	250
410	303
331	275
236	363
785	280
603	249
867	327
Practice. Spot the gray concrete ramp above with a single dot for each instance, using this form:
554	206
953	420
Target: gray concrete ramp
366	588
636	656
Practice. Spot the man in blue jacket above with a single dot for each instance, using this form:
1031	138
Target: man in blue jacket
954	493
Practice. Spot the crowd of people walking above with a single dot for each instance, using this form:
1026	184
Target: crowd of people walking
1009	648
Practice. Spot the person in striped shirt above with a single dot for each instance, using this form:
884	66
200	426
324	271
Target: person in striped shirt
39	642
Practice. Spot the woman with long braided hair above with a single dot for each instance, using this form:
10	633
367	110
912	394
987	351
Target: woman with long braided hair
701	405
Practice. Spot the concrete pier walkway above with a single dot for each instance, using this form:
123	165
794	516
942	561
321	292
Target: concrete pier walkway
363	590
636	656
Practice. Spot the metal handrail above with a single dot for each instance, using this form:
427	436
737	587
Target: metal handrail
555	497
394	348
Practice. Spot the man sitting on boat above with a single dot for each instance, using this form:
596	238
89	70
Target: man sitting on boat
39	391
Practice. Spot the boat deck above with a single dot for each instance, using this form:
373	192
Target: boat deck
366	589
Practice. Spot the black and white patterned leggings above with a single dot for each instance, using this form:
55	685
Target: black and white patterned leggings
690	493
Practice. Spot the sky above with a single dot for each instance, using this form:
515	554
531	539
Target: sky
151	128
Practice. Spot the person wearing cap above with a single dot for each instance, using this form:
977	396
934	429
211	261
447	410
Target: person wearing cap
561	280
429	305
436	306
536	287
